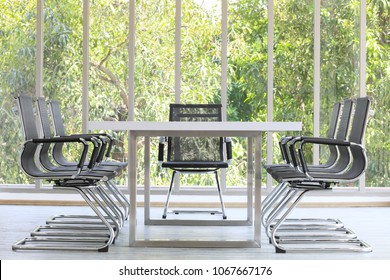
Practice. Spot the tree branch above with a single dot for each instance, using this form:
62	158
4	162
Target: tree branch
112	79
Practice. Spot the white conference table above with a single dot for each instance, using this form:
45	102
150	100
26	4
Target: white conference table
250	130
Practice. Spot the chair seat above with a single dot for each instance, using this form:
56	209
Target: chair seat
198	164
119	164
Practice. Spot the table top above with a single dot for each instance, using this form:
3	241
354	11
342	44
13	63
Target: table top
247	129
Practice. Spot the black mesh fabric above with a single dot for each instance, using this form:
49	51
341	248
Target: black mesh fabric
195	149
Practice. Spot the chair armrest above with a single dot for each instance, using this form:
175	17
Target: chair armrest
161	145
284	148
320	141
107	142
70	139
299	139
110	144
99	145
229	153
103	146
324	141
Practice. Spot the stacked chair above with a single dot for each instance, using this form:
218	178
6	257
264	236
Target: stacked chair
89	177
346	163
101	163
338	128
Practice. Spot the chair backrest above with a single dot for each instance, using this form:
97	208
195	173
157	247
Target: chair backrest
195	149
55	109
59	130
345	120
334	120
47	151
360	119
27	117
44	117
28	121
342	154
356	135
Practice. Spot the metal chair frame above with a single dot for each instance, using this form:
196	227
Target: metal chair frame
113	192
297	183
78	179
338	127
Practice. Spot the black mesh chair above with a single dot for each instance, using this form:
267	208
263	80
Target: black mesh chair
78	179
195	154
303	180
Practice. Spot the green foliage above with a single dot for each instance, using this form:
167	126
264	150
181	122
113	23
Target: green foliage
378	86
200	68
247	90
17	69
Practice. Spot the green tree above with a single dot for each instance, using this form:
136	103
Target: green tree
17	76
201	66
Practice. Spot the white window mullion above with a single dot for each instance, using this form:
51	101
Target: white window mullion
270	85
177	67
39	61
85	74
363	48
224	58
178	51
317	77
131	66
39	51
224	71
363	65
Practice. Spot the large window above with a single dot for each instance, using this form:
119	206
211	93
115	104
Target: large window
17	76
246	73
200	51
62	61
293	56
154	59
294	64
108	60
154	77
378	86
108	68
339	55
197	51
247	61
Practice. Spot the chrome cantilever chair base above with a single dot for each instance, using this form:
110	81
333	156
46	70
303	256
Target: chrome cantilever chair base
61	243
275	198
113	214
314	238
211	212
75	237
116	200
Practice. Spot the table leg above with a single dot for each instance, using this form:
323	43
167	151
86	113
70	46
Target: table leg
257	221
132	182
250	181
147	179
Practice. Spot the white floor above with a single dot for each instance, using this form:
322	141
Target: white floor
370	224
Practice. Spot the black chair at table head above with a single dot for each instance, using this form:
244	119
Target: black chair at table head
195	154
